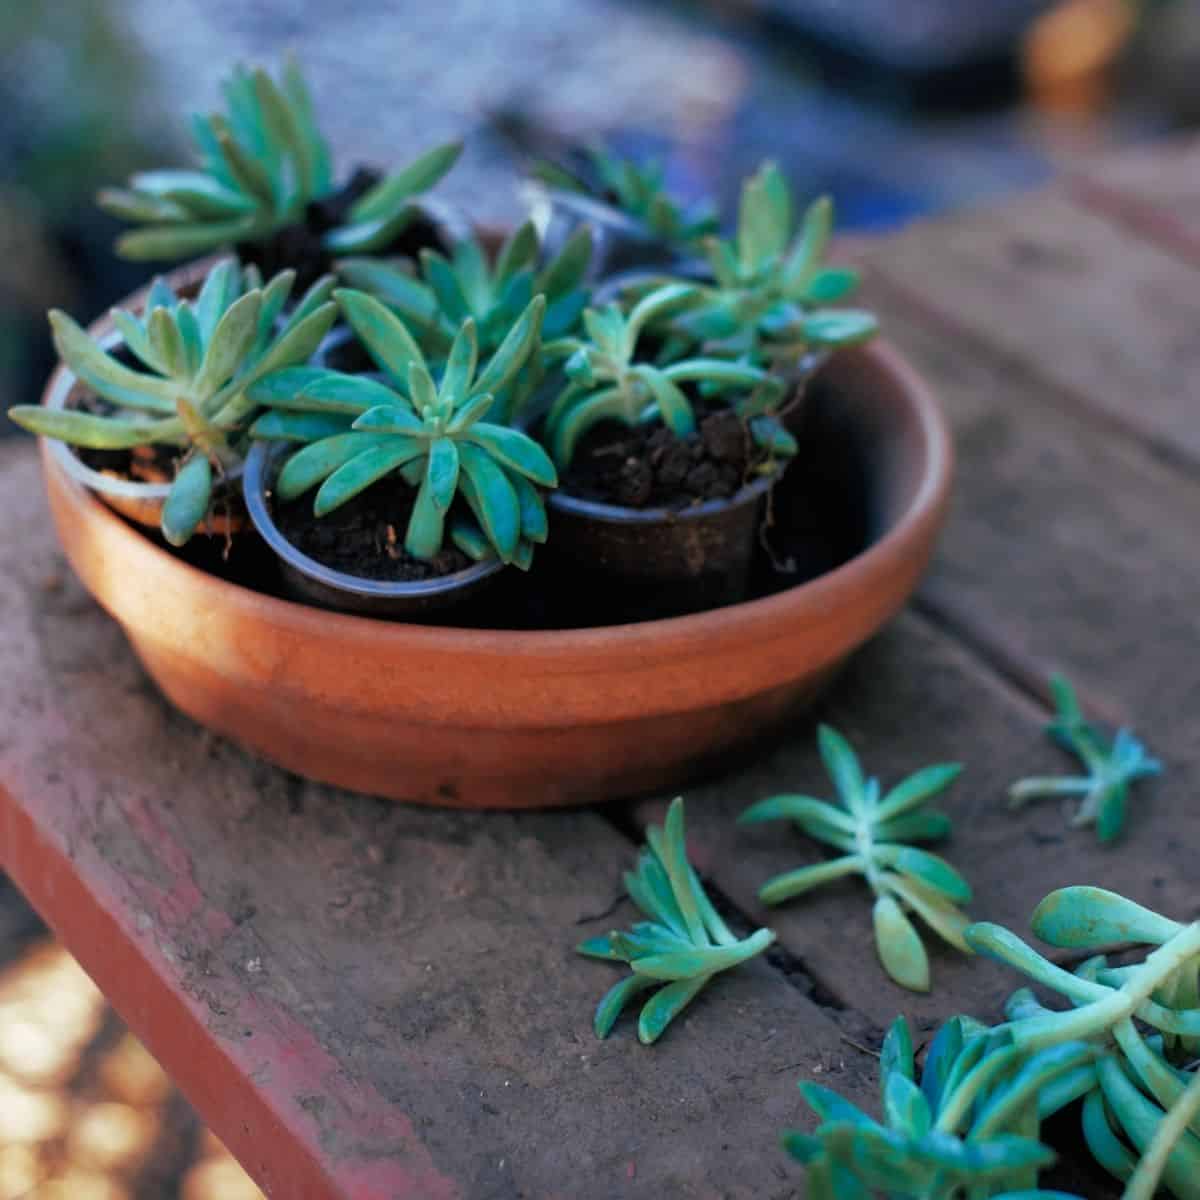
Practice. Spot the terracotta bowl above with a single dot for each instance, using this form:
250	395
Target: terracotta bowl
479	719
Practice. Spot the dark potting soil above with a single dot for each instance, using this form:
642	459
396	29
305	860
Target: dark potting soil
364	536
300	247
142	464
649	467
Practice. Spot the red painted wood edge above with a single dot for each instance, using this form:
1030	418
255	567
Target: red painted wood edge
265	1128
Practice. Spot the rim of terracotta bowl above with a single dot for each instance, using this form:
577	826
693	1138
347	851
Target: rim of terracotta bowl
254	488
669	635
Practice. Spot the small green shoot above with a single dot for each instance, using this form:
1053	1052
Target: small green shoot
1112	765
682	945
605	382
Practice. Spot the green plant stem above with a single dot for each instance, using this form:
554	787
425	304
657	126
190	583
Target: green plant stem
1144	1182
1036	1033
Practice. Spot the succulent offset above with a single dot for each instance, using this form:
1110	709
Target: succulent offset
772	287
606	383
357	430
636	190
872	831
262	163
198	359
1112	765
969	1127
682	945
493	295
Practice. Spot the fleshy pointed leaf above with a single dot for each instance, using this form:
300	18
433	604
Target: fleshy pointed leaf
187	502
232	338
917	789
318	389
104	374
85	429
419	176
1081	917
843	766
665	1005
516	348
492	499
517	451
615	1000
460	365
382	333
365	469
312	464
899	945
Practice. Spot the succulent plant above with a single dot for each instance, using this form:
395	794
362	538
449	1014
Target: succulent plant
971	1128
1139	1095
262	163
358	430
872	831
1112	766
198	359
605	383
636	190
682	945
494	295
968	1128
772	286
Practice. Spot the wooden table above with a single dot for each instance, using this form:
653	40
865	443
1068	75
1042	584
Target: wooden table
372	1001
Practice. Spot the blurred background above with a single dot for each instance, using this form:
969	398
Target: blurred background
899	108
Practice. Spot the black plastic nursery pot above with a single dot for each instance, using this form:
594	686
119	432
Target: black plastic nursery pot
618	564
426	600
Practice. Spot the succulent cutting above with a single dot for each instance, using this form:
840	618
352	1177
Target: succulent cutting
679	948
872	831
198	358
606	382
358	430
263	162
492	294
1112	766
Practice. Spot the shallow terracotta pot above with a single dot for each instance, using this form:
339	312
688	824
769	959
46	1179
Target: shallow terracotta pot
479	718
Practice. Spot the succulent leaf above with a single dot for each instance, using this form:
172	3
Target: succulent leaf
188	500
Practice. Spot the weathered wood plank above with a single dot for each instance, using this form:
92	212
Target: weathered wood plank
1153	191
1106	318
363	999
1067	547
